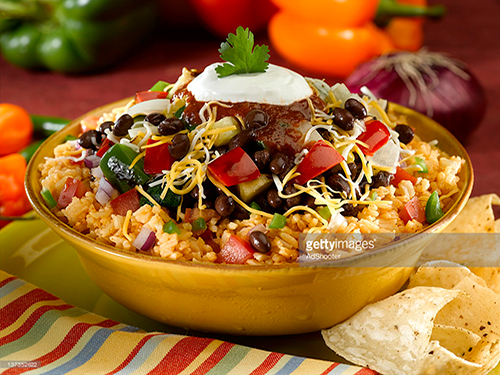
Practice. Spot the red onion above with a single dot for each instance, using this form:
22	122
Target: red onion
145	239
92	161
104	192
431	83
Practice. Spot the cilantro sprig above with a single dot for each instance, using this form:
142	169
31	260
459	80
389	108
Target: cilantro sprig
241	55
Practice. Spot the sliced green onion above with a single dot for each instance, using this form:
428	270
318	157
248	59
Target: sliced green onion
277	222
179	112
433	211
421	164
199	224
48	198
255	206
325	212
159	86
374	196
171	228
261	145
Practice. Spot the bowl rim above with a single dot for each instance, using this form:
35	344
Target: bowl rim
95	246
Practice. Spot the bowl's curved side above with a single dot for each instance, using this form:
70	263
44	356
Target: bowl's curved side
242	299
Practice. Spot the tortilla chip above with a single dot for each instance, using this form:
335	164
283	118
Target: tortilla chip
485	353
477	310
443	274
457	340
391	336
477	216
490	275
440	361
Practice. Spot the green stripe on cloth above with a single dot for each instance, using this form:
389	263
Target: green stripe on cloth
230	360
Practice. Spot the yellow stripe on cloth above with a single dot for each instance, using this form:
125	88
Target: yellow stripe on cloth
15	294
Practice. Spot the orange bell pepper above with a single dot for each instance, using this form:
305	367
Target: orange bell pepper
332	37
16	128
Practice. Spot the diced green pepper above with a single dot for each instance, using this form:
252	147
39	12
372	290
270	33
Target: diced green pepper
325	212
199	224
48	198
255	206
70	137
421	164
159	86
277	222
433	211
115	165
374	196
179	112
171	228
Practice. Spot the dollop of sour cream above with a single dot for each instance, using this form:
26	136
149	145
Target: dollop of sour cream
277	85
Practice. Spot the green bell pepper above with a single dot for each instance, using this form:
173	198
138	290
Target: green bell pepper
72	36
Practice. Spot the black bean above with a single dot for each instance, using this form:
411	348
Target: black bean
338	183
195	193
260	241
170	126
242	139
406	133
261	158
277	164
343	118
179	146
155	118
309	201
357	109
239	213
353	168
122	125
350	209
256	119
91	139
274	199
107	125
294	201
224	205
382	179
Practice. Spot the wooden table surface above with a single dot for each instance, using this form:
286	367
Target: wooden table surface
469	32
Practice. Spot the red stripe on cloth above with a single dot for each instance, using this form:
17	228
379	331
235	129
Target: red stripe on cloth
181	355
268	364
69	341
7	280
366	371
213	359
32	319
134	352
330	368
11	312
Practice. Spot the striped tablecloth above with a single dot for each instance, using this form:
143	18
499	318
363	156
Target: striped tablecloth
41	334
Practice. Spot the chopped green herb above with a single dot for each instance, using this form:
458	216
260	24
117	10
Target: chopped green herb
260	145
179	112
171	228
421	164
199	224
255	206
433	211
159	86
241	55
277	222
325	212
48	198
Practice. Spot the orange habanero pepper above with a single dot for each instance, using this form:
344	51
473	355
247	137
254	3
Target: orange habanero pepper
13	199
16	128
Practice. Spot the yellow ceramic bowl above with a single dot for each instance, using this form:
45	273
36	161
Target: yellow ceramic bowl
249	300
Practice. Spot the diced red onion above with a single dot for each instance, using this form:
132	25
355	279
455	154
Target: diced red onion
92	161
258	228
97	172
104	192
431	83
145	239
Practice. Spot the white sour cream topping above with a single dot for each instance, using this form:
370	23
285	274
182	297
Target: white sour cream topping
277	85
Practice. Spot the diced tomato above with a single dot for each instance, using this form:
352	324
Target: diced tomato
401	175
89	123
234	167
72	188
375	136
412	210
157	159
105	146
319	159
125	202
143	96
236	251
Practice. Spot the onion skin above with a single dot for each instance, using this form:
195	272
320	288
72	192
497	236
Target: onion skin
457	104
